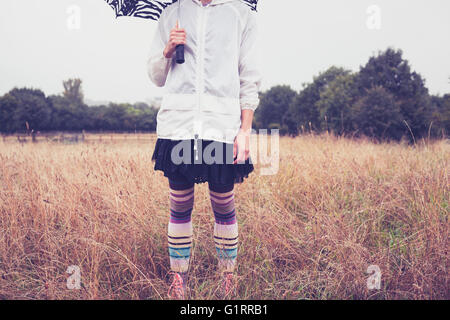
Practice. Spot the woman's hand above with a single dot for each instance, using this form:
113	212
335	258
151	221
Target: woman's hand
177	36
241	146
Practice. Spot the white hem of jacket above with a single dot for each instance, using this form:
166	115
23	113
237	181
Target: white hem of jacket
202	116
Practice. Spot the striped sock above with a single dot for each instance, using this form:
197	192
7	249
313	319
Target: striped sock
180	225
225	227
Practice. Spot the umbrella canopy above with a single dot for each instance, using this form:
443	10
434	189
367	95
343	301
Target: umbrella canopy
150	9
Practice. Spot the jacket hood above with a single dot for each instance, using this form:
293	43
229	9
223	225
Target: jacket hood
214	2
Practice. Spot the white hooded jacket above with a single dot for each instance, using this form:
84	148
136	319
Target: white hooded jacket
205	95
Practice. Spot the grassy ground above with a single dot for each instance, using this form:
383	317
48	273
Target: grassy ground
310	231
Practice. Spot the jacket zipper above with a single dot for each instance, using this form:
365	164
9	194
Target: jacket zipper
200	67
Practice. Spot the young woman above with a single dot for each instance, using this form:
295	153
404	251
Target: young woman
204	122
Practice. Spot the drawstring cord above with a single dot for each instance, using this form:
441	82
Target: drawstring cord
196	146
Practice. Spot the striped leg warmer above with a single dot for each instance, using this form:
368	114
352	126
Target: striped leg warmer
225	227
180	225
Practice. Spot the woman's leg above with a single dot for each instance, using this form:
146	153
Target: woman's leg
180	225
225	227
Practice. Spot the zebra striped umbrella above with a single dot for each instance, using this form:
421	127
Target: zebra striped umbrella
151	9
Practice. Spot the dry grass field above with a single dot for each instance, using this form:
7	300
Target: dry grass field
335	207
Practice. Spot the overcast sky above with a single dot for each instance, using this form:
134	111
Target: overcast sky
41	44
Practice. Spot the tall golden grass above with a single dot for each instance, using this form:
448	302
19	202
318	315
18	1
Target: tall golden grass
335	207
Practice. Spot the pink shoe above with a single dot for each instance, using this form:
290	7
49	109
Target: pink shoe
227	288
177	288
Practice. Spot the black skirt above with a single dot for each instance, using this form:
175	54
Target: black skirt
199	163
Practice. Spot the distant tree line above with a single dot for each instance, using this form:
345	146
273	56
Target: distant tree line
385	100
27	109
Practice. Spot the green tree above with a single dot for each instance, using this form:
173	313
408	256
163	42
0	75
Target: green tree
336	100
389	70
445	112
273	105
303	111
69	114
97	118
146	119
441	115
8	106
25	106
378	115
73	91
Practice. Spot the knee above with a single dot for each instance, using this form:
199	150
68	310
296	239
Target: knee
223	204
180	184
181	199
220	188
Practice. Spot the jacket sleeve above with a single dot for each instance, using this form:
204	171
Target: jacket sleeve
249	65
158	65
